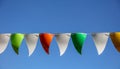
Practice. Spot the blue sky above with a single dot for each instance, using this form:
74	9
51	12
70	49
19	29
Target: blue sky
57	16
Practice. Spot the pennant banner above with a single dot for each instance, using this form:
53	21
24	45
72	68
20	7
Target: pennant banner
100	40
4	39
46	39
16	40
78	40
31	40
62	41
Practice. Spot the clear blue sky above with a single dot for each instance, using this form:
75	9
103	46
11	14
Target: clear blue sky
56	16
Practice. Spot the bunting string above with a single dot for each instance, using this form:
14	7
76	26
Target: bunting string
100	40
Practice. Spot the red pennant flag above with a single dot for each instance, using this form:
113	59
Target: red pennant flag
46	39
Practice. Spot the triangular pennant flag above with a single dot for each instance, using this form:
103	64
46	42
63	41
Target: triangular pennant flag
62	41
115	37
46	39
100	40
31	40
16	40
4	39
78	40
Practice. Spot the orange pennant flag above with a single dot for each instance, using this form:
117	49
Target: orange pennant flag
46	39
115	37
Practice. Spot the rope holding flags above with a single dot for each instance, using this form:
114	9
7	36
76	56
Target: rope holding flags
62	39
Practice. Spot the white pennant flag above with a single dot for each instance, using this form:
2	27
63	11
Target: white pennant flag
62	41
100	40
4	39
31	40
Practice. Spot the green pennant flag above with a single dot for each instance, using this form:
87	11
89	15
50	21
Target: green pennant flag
16	40
78	40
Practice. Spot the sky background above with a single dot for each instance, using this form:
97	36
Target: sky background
59	16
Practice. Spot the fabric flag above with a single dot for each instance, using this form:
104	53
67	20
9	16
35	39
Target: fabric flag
100	40
62	41
78	40
16	40
46	39
31	41
4	39
115	37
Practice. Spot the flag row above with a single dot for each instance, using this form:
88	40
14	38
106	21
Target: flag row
62	39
